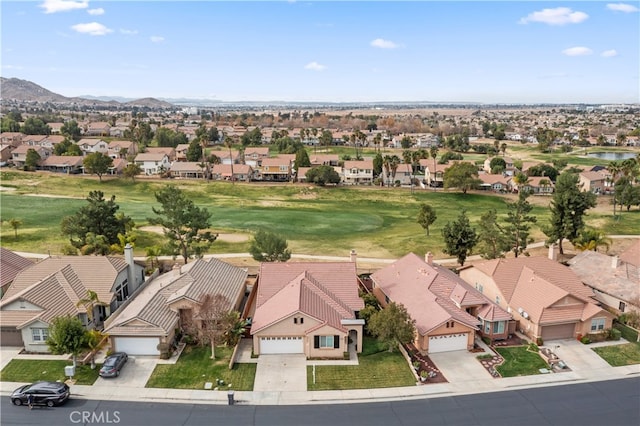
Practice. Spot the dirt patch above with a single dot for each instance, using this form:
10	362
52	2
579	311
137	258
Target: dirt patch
54	196
6	188
230	238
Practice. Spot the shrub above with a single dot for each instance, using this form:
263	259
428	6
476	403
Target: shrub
533	347
486	340
614	334
585	340
539	341
484	356
627	333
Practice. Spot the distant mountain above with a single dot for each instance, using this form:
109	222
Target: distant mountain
27	91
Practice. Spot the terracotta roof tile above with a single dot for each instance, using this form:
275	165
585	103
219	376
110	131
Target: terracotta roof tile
10	265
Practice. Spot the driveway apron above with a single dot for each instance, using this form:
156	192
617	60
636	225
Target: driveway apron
281	373
134	374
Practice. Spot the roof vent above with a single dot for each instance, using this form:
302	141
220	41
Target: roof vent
525	315
520	310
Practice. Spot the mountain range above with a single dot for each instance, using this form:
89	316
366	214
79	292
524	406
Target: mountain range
27	91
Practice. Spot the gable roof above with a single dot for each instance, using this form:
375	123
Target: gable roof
325	291
432	294
191	281
10	264
632	254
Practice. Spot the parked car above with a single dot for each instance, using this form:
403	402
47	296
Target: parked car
43	393
113	364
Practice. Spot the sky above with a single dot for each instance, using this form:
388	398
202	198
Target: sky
361	51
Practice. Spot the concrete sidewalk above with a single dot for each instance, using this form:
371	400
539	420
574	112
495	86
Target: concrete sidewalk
585	366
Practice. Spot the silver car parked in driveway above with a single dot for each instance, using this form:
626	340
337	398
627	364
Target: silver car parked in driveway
113	364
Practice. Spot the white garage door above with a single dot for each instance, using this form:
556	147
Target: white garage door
281	345
448	342
137	345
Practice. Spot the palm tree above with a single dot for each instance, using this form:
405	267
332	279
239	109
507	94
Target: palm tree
503	148
407	157
377	141
228	142
15	224
90	301
433	151
394	163
386	164
591	239
614	167
153	254
521	179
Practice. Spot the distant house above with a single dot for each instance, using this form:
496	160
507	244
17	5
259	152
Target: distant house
181	152
33	140
188	169
546	298
357	172
253	155
170	152
540	185
69	164
307	308
433	174
152	163
227	157
592	181
448	312
5	154
332	160
100	128
615	280
122	149
241	172
89	146
54	286
276	169
11	138
55	128
19	155
496	183
170	302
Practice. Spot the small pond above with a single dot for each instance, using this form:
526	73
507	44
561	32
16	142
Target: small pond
612	156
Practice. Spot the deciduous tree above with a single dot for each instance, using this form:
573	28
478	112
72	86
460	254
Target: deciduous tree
426	216
392	325
132	170
185	224
97	163
459	238
67	335
32	159
213	313
322	175
463	176
269	247
15	224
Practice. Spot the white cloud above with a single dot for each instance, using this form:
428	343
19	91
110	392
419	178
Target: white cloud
12	67
622	7
92	28
314	66
128	32
54	6
577	51
156	39
557	16
609	53
96	12
383	44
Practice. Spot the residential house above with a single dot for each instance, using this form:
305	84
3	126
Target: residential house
33	140
448	312
275	169
101	128
615	280
592	181
51	141
332	160
540	185
122	149
357	172
10	264
54	287
5	154
170	302
509	169
181	151
253	155
118	166
69	164
227	157
55	128
188	169
241	172
307	308
546	298
153	163
433	174
168	150
118	131
89	146
11	138
403	175
496	183
19	155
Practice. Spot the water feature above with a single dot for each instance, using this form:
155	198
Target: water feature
612	156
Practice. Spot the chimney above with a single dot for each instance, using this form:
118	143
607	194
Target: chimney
429	258
615	262
128	257
353	256
553	255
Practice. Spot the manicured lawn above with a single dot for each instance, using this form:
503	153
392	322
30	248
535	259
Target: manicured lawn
519	362
378	369
27	370
195	368
618	355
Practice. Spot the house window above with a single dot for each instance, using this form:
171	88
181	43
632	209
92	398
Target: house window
622	306
479	287
597	324
326	341
39	334
497	300
487	327
295	320
301	320
498	327
122	291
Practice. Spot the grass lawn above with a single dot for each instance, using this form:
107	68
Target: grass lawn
518	361
618	355
27	370
195	368
378	369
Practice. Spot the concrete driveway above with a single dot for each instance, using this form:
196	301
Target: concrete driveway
7	353
460	367
281	373
134	374
580	357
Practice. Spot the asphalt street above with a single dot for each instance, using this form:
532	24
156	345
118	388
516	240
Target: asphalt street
610	403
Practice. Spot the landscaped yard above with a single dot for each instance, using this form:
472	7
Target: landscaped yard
378	368
618	355
27	370
518	361
195	368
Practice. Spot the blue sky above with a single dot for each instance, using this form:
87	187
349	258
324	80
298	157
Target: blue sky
441	51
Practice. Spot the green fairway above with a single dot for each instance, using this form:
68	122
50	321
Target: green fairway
377	222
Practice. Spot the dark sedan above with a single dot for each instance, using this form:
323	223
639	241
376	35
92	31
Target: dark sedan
113	364
42	393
